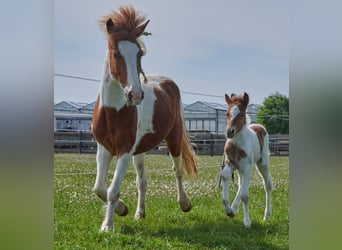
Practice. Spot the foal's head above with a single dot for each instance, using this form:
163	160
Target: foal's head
123	29
236	113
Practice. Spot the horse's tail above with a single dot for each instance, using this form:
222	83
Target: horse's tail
188	154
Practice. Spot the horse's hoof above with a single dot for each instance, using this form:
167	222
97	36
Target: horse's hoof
121	209
106	228
231	214
248	224
139	216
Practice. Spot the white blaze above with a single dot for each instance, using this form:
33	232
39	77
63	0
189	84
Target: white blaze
130	51
234	112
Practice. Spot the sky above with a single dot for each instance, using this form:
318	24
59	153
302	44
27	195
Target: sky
206	47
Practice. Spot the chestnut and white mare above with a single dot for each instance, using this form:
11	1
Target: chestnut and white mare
246	145
131	117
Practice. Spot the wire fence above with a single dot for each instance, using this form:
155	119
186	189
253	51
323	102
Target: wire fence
204	143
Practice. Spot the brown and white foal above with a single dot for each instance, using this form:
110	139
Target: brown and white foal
245	146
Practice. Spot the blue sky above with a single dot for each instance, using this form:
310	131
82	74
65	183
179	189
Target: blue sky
207	47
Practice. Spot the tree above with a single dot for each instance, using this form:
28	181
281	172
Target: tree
274	114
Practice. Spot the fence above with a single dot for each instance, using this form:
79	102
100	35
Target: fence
204	143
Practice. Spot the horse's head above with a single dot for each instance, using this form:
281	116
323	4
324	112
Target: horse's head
123	29
236	113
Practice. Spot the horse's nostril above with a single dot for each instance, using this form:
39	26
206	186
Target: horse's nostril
230	133
130	96
142	95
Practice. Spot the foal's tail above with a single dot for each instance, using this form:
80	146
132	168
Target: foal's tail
188	153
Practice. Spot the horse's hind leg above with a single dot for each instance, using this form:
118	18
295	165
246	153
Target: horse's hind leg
263	170
183	198
141	182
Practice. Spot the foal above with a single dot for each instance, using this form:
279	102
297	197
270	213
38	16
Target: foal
245	146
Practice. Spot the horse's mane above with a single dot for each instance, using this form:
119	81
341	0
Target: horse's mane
126	20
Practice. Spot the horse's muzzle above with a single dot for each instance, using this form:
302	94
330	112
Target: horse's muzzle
134	99
230	132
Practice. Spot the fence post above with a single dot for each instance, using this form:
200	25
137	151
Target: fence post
81	144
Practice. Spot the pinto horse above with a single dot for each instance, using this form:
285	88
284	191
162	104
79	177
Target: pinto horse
245	146
131	118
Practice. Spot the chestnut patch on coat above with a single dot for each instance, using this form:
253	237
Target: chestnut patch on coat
233	154
167	123
115	130
261	133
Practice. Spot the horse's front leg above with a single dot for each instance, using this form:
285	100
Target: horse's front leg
113	202
245	174
226	174
183	199
141	182
103	159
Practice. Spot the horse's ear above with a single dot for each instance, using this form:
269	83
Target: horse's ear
109	25
245	99
140	29
228	100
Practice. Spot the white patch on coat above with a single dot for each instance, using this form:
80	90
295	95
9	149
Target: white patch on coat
145	113
111	92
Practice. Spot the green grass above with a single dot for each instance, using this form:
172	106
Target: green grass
78	213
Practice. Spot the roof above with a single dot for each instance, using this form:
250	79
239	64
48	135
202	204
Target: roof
89	108
69	106
200	106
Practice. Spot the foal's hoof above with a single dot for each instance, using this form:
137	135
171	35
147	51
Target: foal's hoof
185	205
121	209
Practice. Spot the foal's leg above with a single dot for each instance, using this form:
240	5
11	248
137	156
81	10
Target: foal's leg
141	181
114	191
226	174
243	193
103	159
183	198
263	170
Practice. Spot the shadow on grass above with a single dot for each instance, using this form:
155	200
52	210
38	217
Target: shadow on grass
219	234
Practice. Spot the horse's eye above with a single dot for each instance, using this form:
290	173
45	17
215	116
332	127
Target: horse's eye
116	55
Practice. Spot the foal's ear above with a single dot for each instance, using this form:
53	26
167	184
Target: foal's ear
228	100
140	29
245	99
109	25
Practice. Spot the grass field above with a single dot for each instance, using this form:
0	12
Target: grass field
78	213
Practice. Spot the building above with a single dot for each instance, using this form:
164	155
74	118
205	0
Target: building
73	116
68	121
206	116
211	117
199	116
